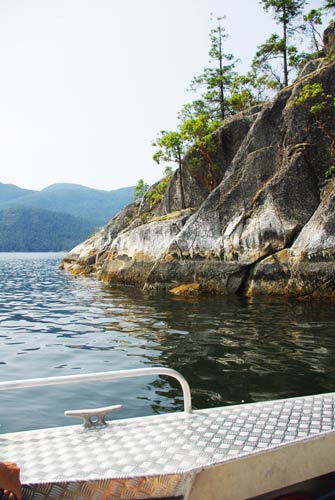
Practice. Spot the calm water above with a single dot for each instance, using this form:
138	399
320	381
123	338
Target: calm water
229	349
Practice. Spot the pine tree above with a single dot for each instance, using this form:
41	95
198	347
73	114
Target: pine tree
140	189
286	13
313	19
217	78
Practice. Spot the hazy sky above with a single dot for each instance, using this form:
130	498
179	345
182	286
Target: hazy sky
86	85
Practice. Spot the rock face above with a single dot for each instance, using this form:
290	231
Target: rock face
329	39
267	228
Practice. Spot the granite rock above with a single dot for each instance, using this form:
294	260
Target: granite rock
268	227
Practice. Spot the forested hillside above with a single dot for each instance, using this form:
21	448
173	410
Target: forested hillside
12	192
56	218
95	205
34	230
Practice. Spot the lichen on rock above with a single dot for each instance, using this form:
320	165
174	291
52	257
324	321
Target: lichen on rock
186	289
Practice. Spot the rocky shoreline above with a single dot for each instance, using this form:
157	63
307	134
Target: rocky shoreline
267	228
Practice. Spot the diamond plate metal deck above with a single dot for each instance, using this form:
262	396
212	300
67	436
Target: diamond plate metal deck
170	444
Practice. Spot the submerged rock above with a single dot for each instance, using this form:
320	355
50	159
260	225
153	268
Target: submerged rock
268	227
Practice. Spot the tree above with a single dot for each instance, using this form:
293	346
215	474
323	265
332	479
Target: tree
241	96
263	63
197	130
171	147
313	19
140	189
217	78
250	89
285	13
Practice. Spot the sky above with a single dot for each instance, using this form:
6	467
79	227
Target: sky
86	85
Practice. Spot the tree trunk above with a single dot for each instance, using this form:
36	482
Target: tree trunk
222	104
181	183
285	46
211	178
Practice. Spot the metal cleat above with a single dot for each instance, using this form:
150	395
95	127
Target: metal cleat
93	418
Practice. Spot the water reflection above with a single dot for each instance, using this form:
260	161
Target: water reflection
230	349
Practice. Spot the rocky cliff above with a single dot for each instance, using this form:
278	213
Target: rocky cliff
267	228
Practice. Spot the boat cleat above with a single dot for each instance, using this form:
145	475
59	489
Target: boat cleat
93	418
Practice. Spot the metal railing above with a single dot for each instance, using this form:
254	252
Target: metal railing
114	375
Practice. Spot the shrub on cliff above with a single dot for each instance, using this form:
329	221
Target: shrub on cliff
322	107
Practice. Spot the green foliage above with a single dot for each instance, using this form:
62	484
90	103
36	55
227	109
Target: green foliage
275	50
246	91
269	51
197	130
140	189
170	147
168	171
285	11
216	79
313	19
156	193
223	92
250	89
322	107
278	48
194	109
241	100
198	133
315	97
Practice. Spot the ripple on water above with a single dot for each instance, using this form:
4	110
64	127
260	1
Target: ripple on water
230	349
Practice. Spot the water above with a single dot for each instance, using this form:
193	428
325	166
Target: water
230	349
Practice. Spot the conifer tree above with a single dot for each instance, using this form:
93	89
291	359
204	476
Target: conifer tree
313	19
140	189
216	79
285	13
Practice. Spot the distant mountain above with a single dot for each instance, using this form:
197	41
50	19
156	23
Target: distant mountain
94	205
10	192
56	218
36	230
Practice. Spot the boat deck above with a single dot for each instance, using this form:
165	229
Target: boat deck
164	455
